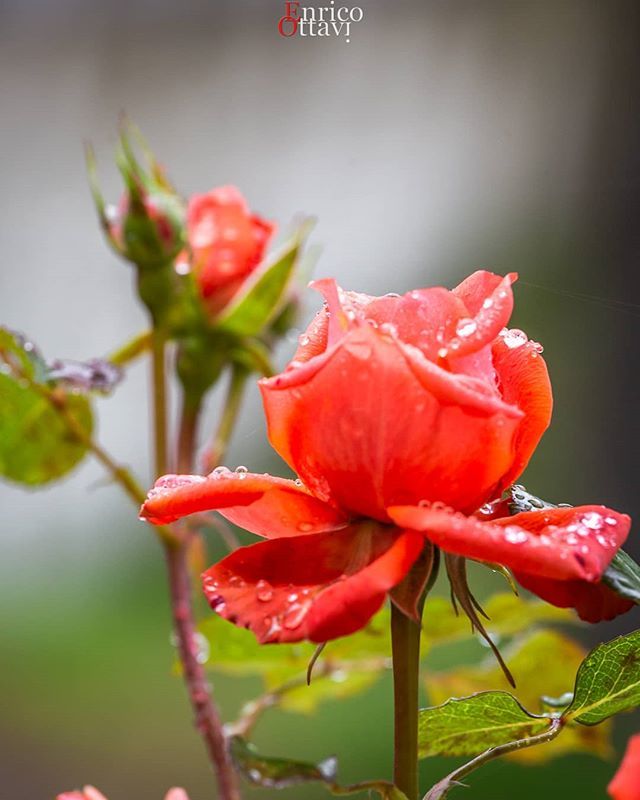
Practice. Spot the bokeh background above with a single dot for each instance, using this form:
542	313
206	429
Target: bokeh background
444	137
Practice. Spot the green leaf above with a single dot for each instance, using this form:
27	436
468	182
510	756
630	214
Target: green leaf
623	576
265	294
608	681
279	773
36	444
543	662
470	725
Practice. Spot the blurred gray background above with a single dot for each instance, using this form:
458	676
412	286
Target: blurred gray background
444	137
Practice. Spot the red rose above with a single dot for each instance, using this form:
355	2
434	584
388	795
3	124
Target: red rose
403	417
227	243
626	782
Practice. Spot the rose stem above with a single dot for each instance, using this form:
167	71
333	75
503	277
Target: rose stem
207	716
158	380
405	644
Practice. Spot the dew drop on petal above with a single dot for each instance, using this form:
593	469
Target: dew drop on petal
304	527
515	536
295	615
466	327
592	520
443	352
304	340
264	592
488	303
513	338
241	472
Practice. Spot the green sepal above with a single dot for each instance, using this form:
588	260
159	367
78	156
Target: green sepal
265	292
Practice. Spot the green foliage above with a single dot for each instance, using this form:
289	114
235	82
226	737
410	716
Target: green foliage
470	725
279	773
507	614
542	662
608	681
37	442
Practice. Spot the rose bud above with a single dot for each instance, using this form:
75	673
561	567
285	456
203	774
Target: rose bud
226	242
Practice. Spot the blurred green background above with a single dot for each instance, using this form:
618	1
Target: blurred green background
445	136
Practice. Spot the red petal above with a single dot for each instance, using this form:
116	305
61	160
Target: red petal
561	543
524	382
316	587
490	299
373	423
594	602
261	504
626	782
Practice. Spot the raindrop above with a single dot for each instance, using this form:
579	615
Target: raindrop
443	352
264	592
515	536
298	482
592	520
218	472
183	267
392	294
295	614
466	327
537	347
487	303
241	472
304	340
513	338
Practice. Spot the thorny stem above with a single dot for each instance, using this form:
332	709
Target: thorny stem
207	716
441	789
208	721
405	645
229	417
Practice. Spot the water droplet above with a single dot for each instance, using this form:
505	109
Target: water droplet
305	527
201	647
183	267
515	535
488	302
241	472
443	352
292	597
611	520
264	592
537	347
454	344
388	329
466	327
392	294
513	338
295	615
592	520
218	472
236	582
304	340
298	482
